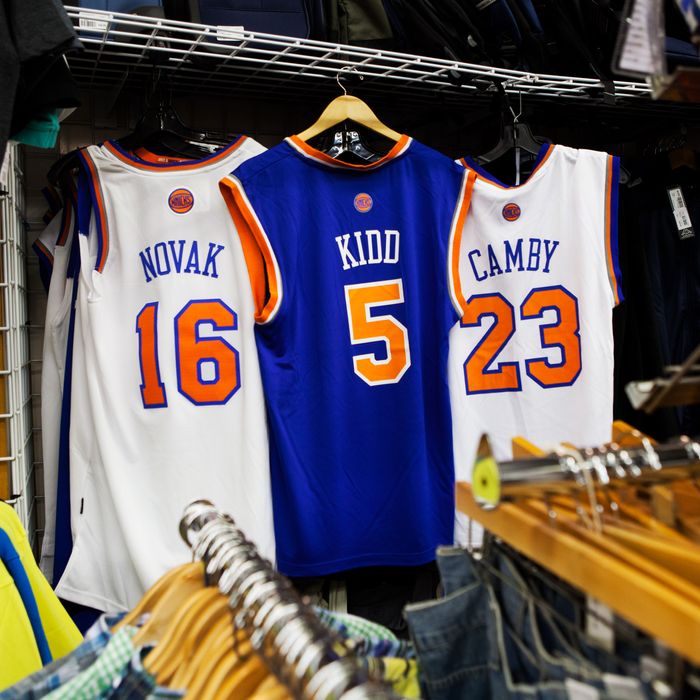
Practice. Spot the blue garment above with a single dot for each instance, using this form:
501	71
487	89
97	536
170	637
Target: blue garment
63	537
10	558
64	669
358	408
485	638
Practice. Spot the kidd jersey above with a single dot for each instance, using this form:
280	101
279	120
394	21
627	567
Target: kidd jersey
171	406
352	272
533	353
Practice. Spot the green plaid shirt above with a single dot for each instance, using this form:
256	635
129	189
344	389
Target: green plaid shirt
96	680
354	626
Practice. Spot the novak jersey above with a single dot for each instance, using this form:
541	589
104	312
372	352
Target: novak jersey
171	407
352	274
533	354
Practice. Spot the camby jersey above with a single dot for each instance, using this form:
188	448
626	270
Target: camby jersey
352	268
533	353
170	407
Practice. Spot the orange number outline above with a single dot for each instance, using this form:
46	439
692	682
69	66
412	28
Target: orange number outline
482	379
364	327
565	305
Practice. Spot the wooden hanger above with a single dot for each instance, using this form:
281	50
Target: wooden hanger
347	108
217	635
650	596
170	606
155	593
177	642
219	650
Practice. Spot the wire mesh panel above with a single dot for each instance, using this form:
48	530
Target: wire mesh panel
16	459
123	50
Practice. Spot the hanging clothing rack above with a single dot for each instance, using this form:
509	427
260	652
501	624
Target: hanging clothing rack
496	482
306	657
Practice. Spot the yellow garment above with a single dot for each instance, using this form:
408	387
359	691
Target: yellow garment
61	633
19	655
403	676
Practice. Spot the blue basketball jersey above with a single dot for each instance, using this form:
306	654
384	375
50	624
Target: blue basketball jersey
351	269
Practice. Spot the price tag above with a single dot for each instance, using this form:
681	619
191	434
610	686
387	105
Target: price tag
94	21
640	45
599	624
232	33
622	687
580	691
680	213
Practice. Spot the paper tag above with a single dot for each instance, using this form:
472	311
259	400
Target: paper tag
652	668
680	213
580	691
232	33
623	687
93	21
599	624
640	48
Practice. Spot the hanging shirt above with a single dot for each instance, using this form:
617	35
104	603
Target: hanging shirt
352	274
19	653
12	562
533	353
62	635
166	397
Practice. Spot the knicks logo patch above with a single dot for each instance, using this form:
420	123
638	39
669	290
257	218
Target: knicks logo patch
181	201
363	202
511	212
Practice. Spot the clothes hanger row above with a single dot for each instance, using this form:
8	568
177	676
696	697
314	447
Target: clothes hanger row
582	532
230	626
571	470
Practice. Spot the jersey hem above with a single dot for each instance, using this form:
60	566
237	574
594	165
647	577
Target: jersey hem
337	565
91	600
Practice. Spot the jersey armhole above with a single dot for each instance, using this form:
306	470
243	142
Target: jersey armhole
89	186
612	251
455	242
260	259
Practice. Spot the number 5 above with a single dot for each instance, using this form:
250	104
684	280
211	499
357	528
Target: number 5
360	299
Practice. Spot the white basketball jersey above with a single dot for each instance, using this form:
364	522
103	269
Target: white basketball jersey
173	409
533	354
58	234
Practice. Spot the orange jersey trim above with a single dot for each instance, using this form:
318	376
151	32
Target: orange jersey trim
460	216
101	211
260	259
397	149
184	165
45	251
608	239
66	222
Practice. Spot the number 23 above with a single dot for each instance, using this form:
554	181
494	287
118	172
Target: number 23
564	333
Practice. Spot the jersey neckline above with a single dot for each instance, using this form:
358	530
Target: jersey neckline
302	148
125	157
543	156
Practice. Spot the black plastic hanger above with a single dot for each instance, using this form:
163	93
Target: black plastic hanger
161	130
515	135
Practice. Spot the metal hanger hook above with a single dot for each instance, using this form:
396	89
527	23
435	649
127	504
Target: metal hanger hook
349	69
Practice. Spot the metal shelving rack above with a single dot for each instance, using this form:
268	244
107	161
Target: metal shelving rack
15	386
122	50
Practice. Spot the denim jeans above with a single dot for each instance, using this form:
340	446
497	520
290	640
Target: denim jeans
486	639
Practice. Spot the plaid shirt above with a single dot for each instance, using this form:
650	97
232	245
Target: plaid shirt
138	683
56	674
353	626
96	681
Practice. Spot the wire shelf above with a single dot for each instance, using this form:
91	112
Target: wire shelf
122	50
